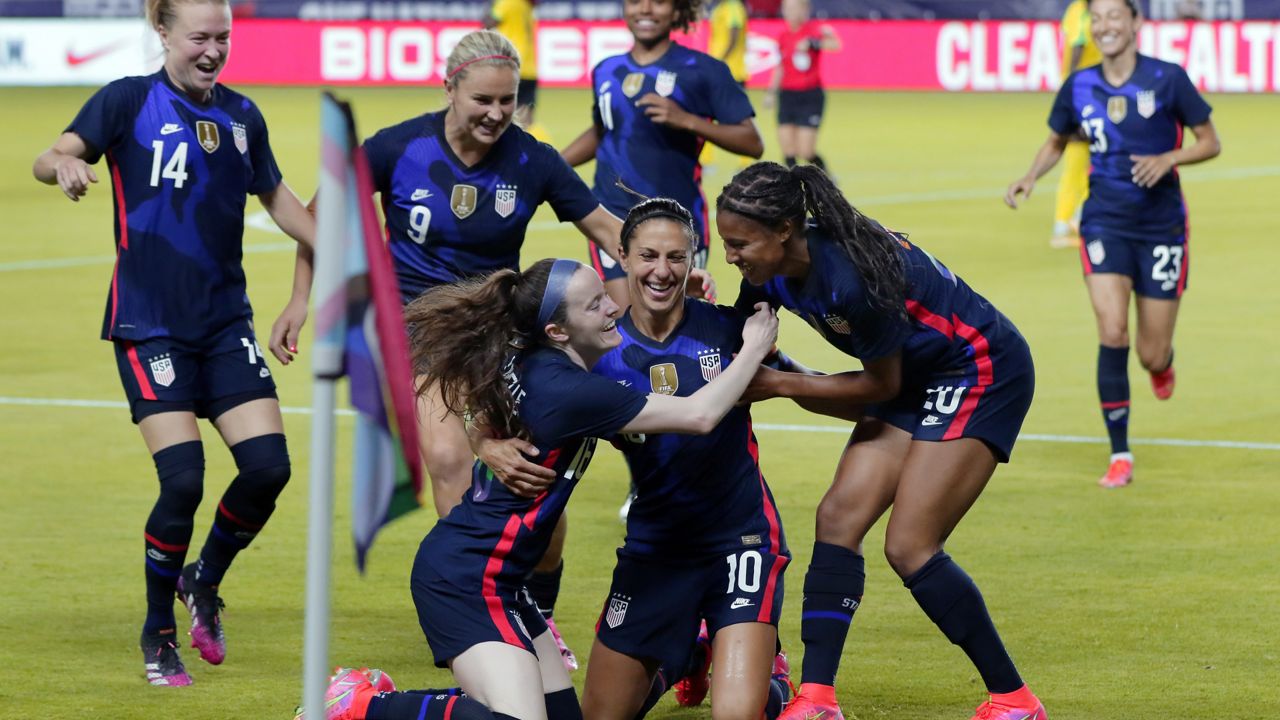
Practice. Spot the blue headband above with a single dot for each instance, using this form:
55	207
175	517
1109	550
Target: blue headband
557	283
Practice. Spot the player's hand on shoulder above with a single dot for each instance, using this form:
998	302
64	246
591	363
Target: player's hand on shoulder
1022	186
700	285
74	176
759	333
508	460
1150	169
283	342
663	111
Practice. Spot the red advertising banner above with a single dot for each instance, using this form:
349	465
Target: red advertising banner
959	56
999	56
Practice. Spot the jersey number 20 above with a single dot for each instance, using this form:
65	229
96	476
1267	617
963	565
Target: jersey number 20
175	169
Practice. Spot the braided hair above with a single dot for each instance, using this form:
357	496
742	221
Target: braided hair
772	195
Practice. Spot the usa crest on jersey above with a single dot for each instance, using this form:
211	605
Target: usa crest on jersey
617	611
240	137
1146	103
207	132
162	370
709	362
504	200
665	84
838	324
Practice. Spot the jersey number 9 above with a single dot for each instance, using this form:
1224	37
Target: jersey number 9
419	221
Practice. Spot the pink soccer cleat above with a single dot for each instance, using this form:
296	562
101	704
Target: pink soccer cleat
813	702
161	662
1162	383
350	691
205	606
570	660
1019	705
692	689
782	672
1119	473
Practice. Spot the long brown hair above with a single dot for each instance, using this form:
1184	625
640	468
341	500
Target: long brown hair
463	336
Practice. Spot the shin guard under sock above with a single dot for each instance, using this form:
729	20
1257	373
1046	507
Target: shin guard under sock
168	531
832	592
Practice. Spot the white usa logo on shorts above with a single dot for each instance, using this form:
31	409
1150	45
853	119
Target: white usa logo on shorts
1097	253
162	371
617	610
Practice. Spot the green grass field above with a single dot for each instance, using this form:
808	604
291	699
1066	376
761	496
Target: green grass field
1157	601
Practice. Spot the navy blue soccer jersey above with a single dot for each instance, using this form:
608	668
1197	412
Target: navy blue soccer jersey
652	159
447	220
496	537
695	494
180	171
1145	116
947	326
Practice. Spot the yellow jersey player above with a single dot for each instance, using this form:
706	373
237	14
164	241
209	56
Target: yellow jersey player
515	20
728	43
1078	51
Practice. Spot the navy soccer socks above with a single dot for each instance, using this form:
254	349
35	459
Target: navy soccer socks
263	463
952	601
168	531
1113	392
832	591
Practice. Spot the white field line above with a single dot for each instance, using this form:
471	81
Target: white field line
823	429
261	221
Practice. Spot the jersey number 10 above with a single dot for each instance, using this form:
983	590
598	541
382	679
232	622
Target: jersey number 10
175	169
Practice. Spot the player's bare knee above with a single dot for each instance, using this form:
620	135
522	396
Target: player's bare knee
1113	333
837	522
1154	355
907	554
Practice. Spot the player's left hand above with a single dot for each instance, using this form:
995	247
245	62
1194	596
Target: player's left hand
1150	169
509	462
700	285
664	111
283	342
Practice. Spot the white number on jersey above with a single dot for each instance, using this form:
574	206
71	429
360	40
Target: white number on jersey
419	221
1095	129
581	460
606	109
744	571
175	169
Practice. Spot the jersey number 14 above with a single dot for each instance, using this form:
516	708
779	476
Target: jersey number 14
175	169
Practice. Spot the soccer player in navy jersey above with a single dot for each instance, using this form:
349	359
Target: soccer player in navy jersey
946	383
183	152
654	108
458	189
514	351
1133	228
671	569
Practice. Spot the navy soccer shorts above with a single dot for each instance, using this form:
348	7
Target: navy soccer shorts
1158	269
454	620
656	604
988	401
801	107
208	378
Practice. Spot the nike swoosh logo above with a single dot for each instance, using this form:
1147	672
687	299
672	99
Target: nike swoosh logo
170	128
75	59
419	194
